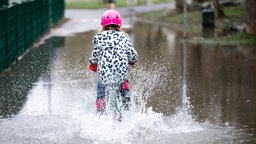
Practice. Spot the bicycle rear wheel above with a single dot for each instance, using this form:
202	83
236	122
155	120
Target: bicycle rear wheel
113	102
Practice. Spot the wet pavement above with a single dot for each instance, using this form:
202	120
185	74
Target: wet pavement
124	11
181	93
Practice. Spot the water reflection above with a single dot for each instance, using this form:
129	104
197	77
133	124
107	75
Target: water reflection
65	81
159	46
225	83
54	93
220	79
208	32
19	80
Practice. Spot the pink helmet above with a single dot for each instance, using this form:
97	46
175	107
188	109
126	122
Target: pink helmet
111	17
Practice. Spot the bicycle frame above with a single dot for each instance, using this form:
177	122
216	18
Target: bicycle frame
113	102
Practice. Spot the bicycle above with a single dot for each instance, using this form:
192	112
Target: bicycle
114	102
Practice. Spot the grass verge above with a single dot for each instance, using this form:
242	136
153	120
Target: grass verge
174	21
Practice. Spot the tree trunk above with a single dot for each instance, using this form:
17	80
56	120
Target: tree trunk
220	13
250	17
179	5
198	1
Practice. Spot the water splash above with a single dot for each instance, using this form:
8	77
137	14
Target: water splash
73	120
137	122
185	101
141	124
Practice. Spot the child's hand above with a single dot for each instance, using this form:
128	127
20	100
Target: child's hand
93	67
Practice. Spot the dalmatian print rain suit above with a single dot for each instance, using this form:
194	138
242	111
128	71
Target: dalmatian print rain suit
112	52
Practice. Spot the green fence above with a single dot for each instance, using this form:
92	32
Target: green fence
21	24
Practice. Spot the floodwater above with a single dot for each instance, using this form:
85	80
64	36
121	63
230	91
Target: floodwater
181	93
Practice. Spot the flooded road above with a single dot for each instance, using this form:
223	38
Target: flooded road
181	93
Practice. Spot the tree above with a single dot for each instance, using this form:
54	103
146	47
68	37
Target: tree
250	17
179	5
220	13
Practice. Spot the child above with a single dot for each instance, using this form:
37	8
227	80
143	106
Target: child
111	4
111	55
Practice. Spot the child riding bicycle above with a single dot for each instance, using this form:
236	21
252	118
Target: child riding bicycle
112	53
